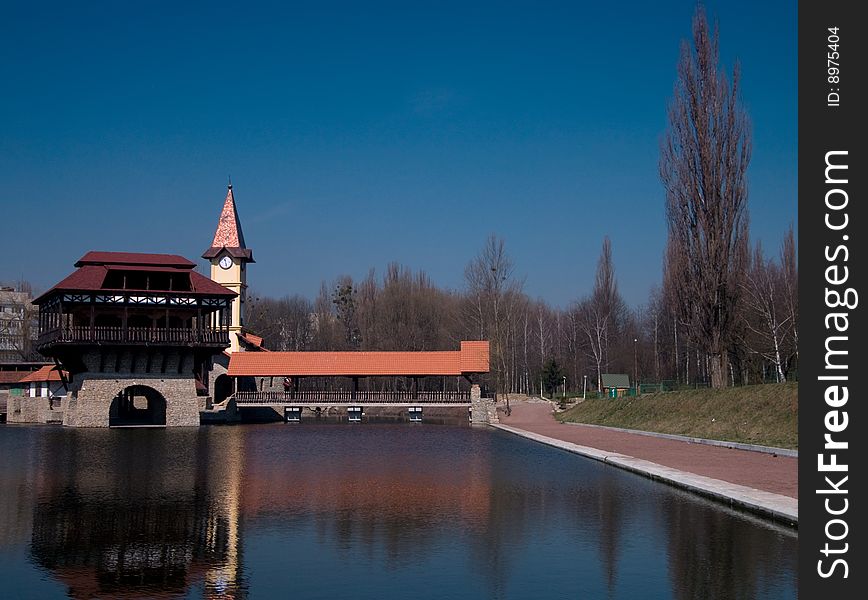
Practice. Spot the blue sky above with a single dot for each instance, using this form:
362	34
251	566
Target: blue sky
362	133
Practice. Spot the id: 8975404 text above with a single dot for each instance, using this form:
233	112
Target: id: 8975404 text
833	68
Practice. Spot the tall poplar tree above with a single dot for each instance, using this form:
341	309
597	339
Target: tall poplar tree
703	164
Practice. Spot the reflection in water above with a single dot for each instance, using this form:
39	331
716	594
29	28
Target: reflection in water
146	514
363	511
100	548
705	557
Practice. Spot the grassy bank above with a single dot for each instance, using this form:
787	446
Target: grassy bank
756	414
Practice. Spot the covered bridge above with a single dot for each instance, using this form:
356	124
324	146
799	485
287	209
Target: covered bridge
299	376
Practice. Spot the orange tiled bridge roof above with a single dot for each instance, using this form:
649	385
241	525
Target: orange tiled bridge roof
472	358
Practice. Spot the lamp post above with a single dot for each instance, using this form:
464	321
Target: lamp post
635	365
584	385
565	387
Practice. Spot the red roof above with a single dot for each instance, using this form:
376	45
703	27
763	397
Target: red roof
84	278
94	266
7	377
148	268
205	285
135	258
229	236
472	358
253	340
46	373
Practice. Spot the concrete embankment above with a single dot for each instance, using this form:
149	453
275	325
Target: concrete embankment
761	483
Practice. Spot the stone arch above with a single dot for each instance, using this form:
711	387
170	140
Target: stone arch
137	405
222	388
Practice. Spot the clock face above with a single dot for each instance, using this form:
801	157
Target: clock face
225	262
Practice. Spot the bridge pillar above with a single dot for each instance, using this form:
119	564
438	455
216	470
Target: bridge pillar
484	410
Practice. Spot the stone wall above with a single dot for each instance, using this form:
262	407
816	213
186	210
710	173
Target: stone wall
111	370
483	410
23	409
89	400
220	366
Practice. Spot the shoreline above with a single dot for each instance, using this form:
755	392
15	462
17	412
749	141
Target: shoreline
777	507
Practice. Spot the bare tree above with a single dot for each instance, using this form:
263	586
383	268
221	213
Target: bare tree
597	315
412	314
790	281
543	330
765	316
653	323
344	297
704	158
327	335
493	294
285	323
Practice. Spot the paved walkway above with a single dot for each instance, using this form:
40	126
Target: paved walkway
771	479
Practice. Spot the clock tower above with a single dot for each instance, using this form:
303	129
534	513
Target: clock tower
229	257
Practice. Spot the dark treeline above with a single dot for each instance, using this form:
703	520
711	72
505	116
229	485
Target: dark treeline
596	334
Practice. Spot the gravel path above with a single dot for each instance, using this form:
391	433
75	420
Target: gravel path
776	474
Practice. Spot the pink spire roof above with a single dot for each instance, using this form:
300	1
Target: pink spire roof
228	235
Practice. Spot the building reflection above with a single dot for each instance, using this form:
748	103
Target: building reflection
127	517
224	577
156	512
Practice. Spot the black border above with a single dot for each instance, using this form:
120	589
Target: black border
822	129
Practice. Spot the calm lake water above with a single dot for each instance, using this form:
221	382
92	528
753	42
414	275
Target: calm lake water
359	511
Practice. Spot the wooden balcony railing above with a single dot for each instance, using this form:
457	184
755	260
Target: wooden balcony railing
134	335
348	397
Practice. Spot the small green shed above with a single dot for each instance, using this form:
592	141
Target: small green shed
616	385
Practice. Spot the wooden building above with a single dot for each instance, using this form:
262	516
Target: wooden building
136	333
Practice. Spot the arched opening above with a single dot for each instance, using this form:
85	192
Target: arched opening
222	388
137	405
